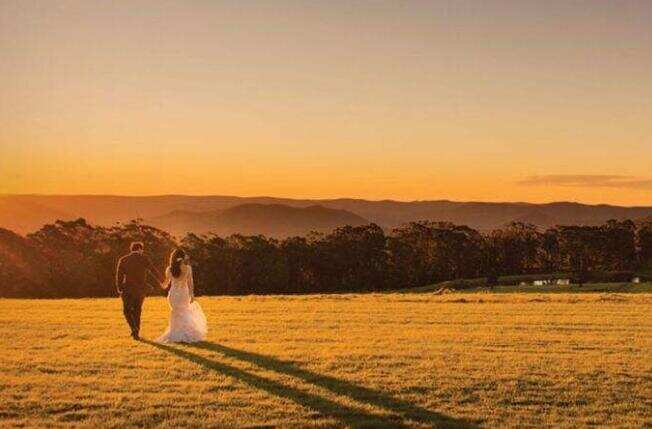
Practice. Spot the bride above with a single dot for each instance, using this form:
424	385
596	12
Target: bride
187	320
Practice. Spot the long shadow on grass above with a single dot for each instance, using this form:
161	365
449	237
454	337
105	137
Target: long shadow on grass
349	416
400	409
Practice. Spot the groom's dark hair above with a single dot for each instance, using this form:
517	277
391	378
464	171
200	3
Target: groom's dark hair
137	246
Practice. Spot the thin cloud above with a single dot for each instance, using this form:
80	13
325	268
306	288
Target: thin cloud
588	181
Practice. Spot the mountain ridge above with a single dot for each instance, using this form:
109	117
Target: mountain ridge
274	220
26	213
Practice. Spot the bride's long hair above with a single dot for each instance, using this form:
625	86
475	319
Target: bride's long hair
176	259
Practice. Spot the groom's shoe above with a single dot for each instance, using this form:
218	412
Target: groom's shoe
135	336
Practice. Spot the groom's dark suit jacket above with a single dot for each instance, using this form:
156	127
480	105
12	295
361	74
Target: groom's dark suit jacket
131	274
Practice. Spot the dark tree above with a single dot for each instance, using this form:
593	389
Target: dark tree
550	253
517	248
580	248
618	246
75	259
644	244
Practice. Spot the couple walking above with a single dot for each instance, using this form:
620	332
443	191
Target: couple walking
187	323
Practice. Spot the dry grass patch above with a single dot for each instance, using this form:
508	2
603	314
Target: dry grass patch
398	360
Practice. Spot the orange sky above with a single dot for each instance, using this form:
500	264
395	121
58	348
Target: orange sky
464	100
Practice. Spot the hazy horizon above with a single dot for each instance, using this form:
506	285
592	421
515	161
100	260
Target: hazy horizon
316	199
496	101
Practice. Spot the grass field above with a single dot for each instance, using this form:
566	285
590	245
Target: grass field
396	360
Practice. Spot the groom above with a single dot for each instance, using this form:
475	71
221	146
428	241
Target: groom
131	283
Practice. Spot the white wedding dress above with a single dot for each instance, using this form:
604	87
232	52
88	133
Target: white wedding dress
187	320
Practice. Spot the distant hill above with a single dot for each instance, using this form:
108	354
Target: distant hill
274	220
26	213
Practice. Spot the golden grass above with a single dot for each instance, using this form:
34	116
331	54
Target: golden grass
394	360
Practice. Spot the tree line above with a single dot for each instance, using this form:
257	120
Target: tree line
76	259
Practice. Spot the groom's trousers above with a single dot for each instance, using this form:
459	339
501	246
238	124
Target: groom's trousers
132	307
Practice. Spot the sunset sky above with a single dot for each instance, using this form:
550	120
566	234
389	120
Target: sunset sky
464	100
